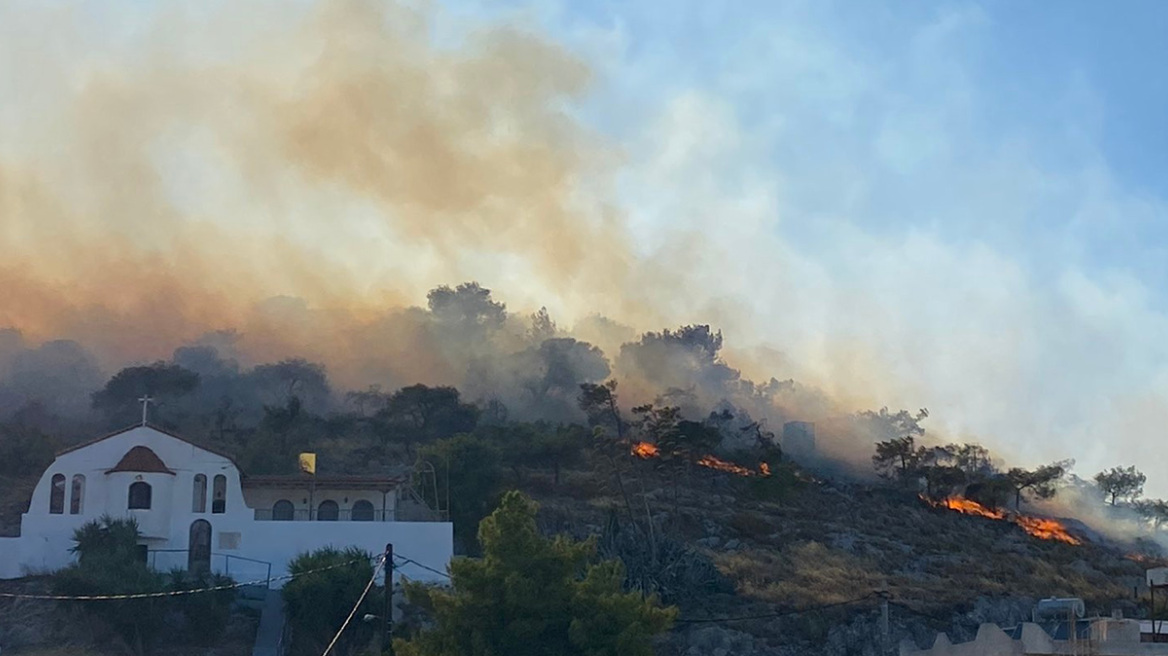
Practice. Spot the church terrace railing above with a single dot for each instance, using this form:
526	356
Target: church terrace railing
267	515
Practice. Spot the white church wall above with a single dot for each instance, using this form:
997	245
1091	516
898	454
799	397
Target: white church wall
46	538
430	543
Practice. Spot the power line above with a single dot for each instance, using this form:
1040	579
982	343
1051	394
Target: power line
173	593
921	613
425	567
773	615
376	571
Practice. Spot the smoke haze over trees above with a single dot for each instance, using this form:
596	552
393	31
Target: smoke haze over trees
224	200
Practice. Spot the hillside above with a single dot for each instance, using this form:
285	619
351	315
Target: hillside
827	543
767	548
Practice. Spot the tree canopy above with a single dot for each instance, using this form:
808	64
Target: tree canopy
532	595
1121	483
1042	481
419	414
318	602
162	380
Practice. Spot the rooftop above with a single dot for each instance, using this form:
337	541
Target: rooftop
141	459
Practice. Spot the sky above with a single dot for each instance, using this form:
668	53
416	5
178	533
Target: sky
951	205
969	196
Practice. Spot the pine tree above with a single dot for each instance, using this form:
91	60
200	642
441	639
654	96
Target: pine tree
534	595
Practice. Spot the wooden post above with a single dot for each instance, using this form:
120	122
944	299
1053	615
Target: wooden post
387	642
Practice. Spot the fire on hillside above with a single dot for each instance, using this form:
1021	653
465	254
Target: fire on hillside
645	451
1039	527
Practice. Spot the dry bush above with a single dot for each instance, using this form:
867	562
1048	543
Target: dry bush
751	525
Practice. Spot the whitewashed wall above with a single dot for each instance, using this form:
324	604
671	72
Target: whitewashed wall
46	538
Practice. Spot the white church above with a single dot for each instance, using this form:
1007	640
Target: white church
196	509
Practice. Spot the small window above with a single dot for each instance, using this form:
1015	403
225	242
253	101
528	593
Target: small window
362	511
219	495
77	495
328	511
283	511
57	495
139	496
199	500
142	552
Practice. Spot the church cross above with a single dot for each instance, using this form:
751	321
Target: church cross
145	401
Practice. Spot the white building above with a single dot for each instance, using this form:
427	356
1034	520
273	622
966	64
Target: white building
196	509
1097	636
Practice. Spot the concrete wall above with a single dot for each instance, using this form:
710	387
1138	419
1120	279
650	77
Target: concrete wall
278	543
46	538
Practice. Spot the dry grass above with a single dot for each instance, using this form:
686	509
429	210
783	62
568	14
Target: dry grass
804	574
751	525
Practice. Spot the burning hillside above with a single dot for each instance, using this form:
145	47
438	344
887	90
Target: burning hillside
646	451
1039	527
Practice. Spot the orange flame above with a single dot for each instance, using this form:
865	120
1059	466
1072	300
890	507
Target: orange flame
1047	529
968	507
645	450
721	465
1039	527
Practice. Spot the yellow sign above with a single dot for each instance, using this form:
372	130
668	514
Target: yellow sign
308	463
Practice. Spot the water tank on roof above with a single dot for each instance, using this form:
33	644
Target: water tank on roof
1059	609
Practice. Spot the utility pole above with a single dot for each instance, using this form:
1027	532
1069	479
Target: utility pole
387	640
884	637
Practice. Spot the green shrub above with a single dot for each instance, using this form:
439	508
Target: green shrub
318	603
206	613
108	564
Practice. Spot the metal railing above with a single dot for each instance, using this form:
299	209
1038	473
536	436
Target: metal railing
246	569
268	515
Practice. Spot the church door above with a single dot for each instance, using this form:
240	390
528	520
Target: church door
199	548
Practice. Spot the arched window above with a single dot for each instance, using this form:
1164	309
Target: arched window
139	496
77	494
328	511
57	495
283	511
362	511
199	500
219	495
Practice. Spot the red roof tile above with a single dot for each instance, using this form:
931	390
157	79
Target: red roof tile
141	459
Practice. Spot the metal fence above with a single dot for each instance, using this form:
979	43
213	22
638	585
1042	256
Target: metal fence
239	568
